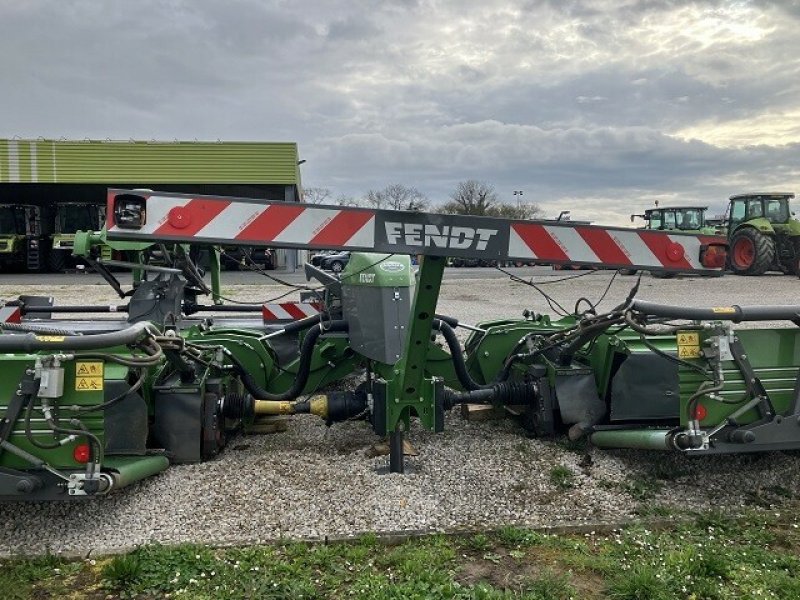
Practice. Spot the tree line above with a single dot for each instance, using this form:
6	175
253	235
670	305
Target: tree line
470	197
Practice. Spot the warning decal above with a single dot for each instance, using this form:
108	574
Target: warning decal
688	344
89	376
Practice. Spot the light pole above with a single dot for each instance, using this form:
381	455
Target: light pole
518	196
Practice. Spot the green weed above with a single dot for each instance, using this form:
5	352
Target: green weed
562	477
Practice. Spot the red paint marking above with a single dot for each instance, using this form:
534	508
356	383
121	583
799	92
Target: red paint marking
539	241
10	314
198	213
604	246
294	311
297	310
660	245
341	228
270	223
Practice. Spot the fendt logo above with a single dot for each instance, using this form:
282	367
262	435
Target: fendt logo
456	237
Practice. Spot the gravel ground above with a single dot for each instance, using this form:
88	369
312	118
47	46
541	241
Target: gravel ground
312	481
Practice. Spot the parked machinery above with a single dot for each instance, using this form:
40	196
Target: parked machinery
71	217
763	234
25	236
89	406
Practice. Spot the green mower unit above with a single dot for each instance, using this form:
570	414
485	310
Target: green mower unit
91	405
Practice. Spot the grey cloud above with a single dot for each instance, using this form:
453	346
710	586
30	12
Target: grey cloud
576	100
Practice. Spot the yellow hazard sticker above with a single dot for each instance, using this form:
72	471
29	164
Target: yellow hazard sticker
89	384
723	310
688	344
88	376
49	338
88	369
688	352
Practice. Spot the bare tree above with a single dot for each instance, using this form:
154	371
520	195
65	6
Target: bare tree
345	200
397	197
516	211
317	195
471	197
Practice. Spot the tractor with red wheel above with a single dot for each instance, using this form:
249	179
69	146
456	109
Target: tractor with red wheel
762	234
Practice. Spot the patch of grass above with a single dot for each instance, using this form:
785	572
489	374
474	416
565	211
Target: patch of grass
562	477
579	446
18	577
549	586
655	510
514	537
122	571
716	557
641	582
479	542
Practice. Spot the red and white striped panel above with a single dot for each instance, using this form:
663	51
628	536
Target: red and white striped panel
10	314
290	311
280	223
578	244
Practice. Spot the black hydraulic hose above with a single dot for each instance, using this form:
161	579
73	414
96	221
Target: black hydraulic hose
33	342
733	313
585	335
304	323
42	329
303	367
457	354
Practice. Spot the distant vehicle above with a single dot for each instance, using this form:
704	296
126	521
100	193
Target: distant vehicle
763	235
316	259
24	237
689	219
335	262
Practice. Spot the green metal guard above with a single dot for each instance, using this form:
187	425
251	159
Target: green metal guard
409	389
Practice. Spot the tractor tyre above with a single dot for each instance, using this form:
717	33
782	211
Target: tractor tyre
57	261
627	271
793	264
337	266
752	252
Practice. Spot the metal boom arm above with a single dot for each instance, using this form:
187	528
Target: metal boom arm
150	216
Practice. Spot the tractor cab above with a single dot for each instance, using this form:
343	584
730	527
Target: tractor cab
762	233
674	218
747	207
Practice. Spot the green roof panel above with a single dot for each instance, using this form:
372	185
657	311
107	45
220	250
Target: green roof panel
60	161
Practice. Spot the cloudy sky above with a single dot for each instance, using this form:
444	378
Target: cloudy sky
598	106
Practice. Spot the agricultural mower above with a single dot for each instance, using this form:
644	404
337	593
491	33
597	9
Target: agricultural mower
88	406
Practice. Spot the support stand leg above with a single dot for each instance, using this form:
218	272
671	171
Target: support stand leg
396	458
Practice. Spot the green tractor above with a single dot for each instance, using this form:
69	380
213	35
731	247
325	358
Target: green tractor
762	234
687	219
